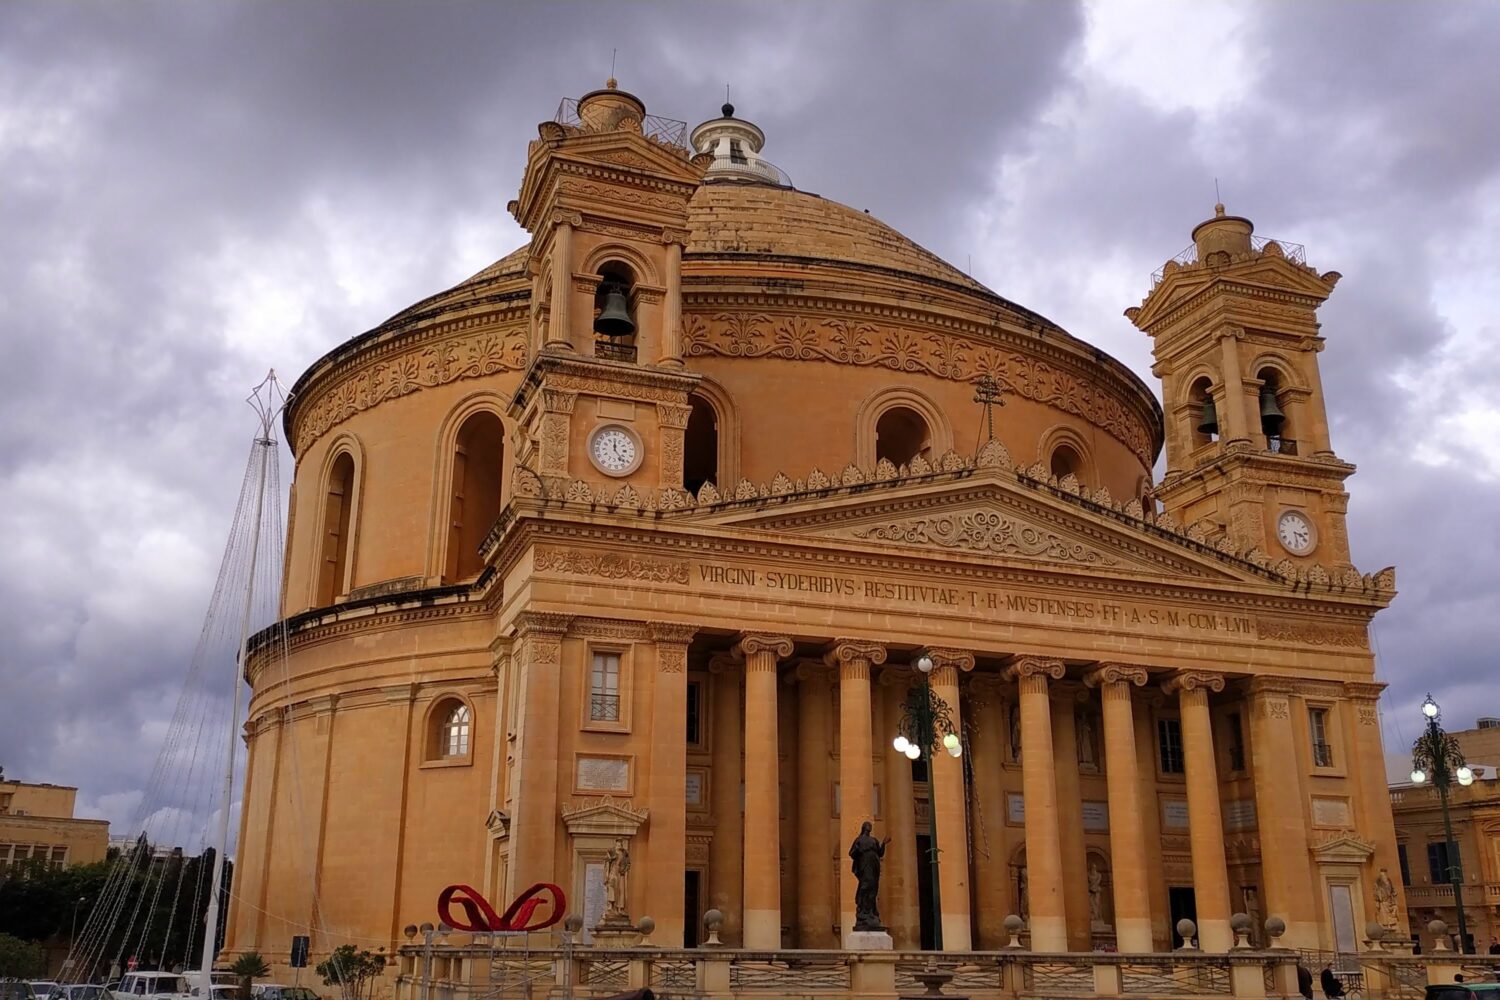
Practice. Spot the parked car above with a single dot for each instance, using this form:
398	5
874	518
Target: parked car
78	991
275	991
42	987
1464	991
151	986
14	989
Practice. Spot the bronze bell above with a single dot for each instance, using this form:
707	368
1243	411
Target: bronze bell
614	319
1271	417
1208	421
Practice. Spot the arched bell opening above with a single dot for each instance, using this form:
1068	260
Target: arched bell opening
1065	461
614	313
1204	413
1274	422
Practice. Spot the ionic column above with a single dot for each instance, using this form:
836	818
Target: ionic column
559	329
1127	839
856	771
762	807
899	909
947	779
1065	701
815	892
992	886
1205	818
671	327
1285	871
666	840
726	876
1044	873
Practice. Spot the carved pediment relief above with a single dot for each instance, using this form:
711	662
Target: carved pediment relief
1344	849
987	531
606	816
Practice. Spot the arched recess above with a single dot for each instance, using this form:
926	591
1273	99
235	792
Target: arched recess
937	440
449	730
1063	450
1200	390
1280	378
700	446
470	485
726	430
638	264
338	520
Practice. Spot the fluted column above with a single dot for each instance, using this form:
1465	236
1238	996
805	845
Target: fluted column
948	806
1044	873
815	893
1127	839
899	909
726	874
1065	700
1205	817
854	660
666	839
1285	866
762	803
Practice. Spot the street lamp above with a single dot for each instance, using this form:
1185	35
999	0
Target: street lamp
73	935
925	728
1437	756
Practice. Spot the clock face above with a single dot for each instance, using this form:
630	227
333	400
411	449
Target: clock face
1295	532
614	450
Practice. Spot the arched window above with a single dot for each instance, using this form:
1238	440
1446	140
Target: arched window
901	435
1203	415
700	447
614	313
1066	461
450	730
478	467
1275	424
338	502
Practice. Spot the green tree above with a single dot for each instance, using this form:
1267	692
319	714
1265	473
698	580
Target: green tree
249	966
353	972
20	959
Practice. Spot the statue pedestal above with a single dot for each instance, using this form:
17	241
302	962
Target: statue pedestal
616	932
868	941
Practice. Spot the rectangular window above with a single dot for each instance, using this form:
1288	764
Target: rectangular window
695	713
1438	862
1322	751
1405	865
1169	745
604	688
59	855
1236	743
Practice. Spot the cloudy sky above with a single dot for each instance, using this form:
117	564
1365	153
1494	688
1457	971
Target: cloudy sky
190	194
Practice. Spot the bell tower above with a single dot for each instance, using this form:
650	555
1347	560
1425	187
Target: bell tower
605	197
1233	321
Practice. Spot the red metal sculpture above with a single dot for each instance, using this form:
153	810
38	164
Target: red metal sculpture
482	918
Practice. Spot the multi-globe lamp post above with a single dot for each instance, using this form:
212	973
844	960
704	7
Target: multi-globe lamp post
1437	757
926	727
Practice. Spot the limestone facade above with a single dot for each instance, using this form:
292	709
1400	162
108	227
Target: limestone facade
37	825
547	588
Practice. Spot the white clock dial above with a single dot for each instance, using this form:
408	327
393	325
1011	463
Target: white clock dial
1295	532
614	450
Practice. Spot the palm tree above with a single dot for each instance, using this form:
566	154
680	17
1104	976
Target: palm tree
248	966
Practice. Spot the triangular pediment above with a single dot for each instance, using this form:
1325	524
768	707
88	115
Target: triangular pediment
991	517
604	817
631	151
1345	849
1269	271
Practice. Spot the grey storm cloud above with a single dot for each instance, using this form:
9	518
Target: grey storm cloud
191	194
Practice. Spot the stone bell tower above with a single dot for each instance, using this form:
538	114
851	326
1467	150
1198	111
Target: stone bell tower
605	197
1233	320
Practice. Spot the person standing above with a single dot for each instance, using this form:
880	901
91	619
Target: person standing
1332	988
1304	980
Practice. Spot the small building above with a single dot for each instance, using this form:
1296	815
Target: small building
1423	847
37	824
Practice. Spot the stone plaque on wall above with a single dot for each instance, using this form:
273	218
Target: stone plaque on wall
1330	811
603	774
694	788
1239	814
1015	808
1174	814
593	897
1095	816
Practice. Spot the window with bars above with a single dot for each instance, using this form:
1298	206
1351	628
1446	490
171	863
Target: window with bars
1169	745
604	688
1322	750
453	738
1236	742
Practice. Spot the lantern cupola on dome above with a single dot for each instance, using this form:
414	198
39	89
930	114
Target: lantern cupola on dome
735	145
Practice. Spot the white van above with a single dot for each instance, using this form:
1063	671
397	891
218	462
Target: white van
151	986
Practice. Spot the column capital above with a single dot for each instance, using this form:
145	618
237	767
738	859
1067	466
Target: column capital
726	662
809	671
1363	690
1023	667
1193	680
1115	673
942	656
1273	685
672	633
750	643
547	622
850	651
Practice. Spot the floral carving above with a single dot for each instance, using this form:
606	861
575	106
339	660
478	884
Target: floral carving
1347	636
610	565
986	531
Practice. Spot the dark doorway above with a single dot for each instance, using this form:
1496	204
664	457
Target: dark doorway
924	890
1182	904
691	900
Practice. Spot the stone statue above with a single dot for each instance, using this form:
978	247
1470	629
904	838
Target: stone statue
1096	894
1015	733
1023	895
1385	901
616	867
1085	731
866	853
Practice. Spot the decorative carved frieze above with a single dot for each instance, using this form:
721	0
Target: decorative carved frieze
610	565
1312	634
618	629
987	531
799	338
546	622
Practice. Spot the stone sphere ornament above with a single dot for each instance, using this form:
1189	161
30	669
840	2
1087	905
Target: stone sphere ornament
1186	929
1013	926
1275	927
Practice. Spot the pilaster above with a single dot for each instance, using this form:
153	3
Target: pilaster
534	821
726	870
1286	873
666	844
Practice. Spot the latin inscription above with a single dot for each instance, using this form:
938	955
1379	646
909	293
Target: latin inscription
982	601
1095	815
